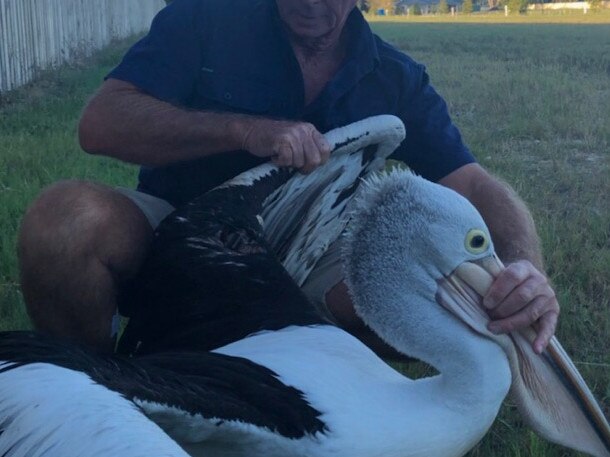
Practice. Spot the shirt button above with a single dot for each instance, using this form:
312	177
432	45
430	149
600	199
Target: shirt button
228	96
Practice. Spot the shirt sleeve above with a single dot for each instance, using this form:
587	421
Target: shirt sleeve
166	62
433	146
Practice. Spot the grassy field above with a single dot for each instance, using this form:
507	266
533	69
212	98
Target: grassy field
532	17
532	101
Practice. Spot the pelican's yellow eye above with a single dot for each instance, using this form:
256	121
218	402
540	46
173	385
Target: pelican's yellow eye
477	241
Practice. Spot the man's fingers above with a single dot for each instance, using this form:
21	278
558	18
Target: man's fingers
323	146
520	296
317	151
298	155
526	316
288	143
546	329
283	155
513	275
311	154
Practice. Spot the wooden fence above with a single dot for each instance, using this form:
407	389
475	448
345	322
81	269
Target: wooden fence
41	34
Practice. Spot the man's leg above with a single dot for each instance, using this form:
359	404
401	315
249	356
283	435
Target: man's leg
78	242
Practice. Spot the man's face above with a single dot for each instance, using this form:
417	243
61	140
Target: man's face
309	19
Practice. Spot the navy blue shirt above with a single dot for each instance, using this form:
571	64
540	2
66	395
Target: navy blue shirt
235	57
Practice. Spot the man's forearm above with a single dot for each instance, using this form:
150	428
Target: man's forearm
122	122
509	221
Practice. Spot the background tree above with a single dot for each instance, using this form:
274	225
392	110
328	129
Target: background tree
400	8
517	6
387	5
417	9
595	4
443	7
467	7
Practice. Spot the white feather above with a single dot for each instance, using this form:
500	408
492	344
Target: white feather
49	411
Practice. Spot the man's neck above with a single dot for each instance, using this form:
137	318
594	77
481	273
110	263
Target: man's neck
318	66
326	48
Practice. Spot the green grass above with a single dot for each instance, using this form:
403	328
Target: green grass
601	16
532	101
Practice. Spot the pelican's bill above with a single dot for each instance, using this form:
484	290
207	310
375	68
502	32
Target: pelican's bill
550	393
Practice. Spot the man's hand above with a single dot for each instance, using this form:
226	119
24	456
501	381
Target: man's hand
522	296
289	144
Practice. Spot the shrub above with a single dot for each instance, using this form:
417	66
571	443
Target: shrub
517	6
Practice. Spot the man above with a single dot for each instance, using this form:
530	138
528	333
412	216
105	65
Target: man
215	89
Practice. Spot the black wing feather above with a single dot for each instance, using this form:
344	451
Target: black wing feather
216	386
211	278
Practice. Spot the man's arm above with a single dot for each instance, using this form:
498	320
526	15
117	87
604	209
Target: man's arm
521	295
122	122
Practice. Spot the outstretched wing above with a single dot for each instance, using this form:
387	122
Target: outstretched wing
304	216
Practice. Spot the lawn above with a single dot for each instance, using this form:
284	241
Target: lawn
532	101
498	17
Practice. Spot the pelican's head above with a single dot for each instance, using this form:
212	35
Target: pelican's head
407	235
410	219
412	241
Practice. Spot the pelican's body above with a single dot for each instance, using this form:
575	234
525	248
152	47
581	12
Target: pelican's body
366	407
233	360
371	409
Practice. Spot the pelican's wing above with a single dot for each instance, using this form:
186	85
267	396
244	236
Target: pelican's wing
48	410
303	217
57	394
213	277
210	277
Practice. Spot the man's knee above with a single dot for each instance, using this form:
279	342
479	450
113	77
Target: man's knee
78	241
69	227
78	218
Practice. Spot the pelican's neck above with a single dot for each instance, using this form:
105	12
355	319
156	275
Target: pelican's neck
474	373
473	370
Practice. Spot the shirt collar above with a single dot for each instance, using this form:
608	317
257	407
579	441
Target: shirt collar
362	46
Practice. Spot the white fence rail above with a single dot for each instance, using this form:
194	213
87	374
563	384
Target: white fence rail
565	6
41	34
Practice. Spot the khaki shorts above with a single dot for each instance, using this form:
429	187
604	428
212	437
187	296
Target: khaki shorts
155	209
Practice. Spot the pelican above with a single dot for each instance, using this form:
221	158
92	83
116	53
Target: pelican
417	257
